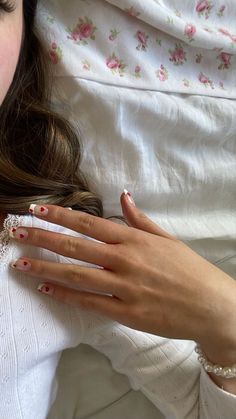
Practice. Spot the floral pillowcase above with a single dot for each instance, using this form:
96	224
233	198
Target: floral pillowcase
151	44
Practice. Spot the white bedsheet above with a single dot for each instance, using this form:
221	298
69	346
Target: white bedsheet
177	155
175	152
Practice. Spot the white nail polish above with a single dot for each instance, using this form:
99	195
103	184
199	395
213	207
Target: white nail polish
128	194
46	289
39	210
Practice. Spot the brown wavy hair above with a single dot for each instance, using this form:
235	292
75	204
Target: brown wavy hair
39	150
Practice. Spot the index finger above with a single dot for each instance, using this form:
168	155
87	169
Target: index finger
89	225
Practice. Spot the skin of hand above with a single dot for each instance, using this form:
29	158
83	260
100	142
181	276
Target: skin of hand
153	282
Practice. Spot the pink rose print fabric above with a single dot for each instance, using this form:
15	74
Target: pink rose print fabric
181	46
204	8
82	31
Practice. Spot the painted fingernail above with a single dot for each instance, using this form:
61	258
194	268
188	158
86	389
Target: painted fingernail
21	265
46	289
18	233
38	210
128	194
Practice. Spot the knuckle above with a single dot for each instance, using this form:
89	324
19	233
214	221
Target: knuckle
58	214
35	235
69	245
142	216
117	258
123	257
110	254
135	238
40	268
75	276
87	222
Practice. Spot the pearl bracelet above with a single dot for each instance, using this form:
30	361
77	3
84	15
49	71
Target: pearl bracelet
226	372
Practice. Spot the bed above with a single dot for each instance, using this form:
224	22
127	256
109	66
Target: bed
151	87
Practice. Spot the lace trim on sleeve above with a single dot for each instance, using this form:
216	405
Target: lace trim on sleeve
9	222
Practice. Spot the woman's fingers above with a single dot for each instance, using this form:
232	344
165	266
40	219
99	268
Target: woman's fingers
95	227
139	220
73	276
107	306
73	247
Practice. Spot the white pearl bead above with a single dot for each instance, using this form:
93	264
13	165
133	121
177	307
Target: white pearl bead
217	369
208	367
226	372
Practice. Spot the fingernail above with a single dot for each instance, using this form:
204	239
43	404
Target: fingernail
38	210
21	265
18	233
46	289
128	194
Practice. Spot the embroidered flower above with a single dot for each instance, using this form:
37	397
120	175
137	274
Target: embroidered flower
221	11
205	80
186	83
190	31
199	58
233	38
162	73
204	8
116	65
142	38
178	55
83	31
55	54
113	34
137	72
178	13
224	58
221	84
225	32
86	65
132	12
209	30
169	20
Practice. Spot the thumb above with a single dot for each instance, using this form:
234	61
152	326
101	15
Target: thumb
137	219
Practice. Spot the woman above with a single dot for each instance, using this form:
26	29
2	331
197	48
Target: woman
122	251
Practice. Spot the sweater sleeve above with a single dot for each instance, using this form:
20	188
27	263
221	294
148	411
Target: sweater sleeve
166	371
215	402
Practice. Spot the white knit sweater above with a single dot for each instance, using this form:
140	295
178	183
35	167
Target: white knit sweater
34	330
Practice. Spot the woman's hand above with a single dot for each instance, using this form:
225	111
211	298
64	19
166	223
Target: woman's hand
152	281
